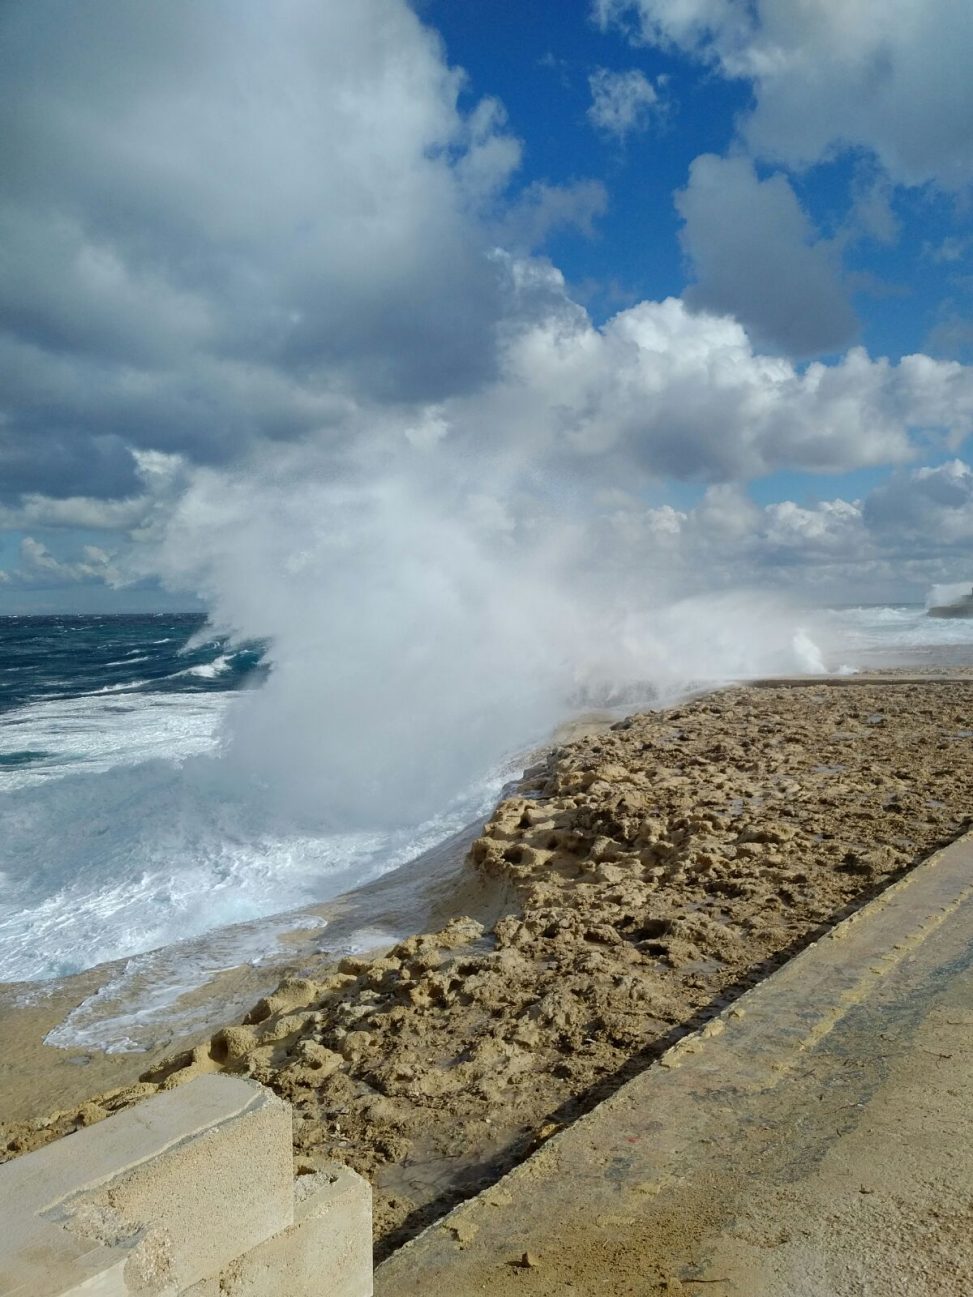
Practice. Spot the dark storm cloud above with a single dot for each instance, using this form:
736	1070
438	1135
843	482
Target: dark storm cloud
65	462
217	215
755	257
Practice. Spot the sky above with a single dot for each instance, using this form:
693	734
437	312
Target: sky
298	298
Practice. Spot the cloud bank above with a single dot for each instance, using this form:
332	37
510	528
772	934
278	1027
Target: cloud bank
230	230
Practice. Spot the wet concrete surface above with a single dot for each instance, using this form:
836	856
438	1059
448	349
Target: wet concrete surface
814	1140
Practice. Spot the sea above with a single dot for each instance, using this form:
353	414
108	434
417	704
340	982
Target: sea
123	834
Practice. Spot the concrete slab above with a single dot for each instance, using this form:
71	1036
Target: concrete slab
327	1252
813	1141
191	1190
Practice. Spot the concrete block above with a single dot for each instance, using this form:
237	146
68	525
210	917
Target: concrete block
327	1251
191	1189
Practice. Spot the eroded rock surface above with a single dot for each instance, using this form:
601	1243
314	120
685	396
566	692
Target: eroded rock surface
652	872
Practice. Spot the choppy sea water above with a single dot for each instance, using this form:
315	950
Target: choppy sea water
124	832
121	829
890	634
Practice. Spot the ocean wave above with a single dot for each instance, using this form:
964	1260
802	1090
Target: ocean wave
898	627
93	733
117	688
98	869
208	670
139	1007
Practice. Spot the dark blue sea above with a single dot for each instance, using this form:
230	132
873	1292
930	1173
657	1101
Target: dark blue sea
45	657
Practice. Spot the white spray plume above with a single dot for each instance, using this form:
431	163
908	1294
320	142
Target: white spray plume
808	655
947	593
420	629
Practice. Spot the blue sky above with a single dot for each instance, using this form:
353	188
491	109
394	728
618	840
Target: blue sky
431	244
537	59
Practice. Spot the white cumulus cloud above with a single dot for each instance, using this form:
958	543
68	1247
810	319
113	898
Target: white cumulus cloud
661	391
40	565
834	74
622	102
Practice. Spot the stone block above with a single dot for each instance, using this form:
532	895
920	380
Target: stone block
327	1251
190	1191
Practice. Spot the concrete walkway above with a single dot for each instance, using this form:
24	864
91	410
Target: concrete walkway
814	1141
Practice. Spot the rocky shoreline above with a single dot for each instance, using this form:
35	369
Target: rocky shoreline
640	879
